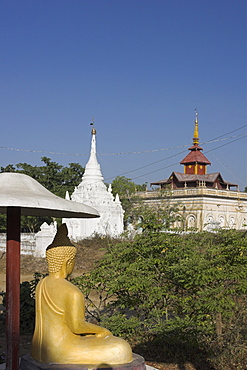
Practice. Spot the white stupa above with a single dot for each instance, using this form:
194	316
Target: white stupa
93	192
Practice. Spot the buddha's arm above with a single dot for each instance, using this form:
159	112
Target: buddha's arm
75	318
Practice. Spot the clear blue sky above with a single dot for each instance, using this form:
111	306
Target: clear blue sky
140	67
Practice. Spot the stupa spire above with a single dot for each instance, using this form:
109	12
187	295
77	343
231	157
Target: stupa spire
196	131
92	169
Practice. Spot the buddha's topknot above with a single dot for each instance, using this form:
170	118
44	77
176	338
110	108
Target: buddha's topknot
61	238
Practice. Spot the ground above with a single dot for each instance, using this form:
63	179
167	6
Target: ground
86	257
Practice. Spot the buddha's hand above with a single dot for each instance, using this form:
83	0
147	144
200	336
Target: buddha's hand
104	333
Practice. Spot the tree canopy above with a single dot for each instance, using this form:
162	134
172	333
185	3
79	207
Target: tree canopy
126	189
53	176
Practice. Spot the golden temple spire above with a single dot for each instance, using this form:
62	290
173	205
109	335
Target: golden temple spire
196	132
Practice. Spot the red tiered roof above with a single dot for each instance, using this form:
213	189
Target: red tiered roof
195	156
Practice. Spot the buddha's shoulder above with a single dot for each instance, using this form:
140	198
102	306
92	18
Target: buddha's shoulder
60	283
69	290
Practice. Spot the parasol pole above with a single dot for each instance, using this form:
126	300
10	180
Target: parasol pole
13	287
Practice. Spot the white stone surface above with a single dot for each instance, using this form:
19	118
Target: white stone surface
44	238
93	192
28	243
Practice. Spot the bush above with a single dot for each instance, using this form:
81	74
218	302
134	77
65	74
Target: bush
171	283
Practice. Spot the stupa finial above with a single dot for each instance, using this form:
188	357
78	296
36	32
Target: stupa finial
93	132
196	132
92	169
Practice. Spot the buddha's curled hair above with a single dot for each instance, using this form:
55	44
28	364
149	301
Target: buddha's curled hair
55	257
59	249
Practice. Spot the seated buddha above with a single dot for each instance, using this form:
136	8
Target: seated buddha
61	333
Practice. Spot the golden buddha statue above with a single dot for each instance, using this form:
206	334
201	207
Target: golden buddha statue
61	333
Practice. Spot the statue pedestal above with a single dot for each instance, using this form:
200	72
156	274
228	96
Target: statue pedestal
27	363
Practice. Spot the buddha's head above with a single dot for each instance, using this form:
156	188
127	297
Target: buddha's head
61	253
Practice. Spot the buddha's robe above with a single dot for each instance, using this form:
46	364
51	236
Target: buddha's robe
60	321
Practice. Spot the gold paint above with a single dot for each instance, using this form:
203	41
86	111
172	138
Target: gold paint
61	333
196	131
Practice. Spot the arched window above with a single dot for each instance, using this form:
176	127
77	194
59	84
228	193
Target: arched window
191	222
232	222
222	221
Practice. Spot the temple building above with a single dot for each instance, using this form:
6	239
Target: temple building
92	191
205	201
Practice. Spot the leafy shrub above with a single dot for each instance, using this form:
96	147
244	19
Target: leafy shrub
171	283
121	325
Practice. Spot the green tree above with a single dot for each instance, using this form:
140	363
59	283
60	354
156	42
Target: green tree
48	175
71	177
8	168
124	187
127	189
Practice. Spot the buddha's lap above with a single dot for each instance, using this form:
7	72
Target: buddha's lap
80	342
91	349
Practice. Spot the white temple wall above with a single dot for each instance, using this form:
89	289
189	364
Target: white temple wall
206	209
28	243
44	238
110	223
